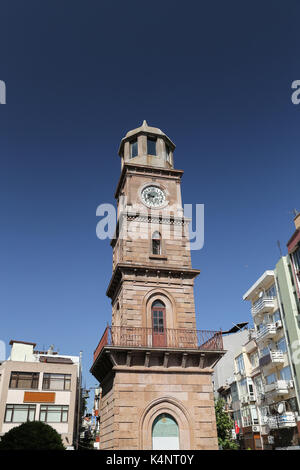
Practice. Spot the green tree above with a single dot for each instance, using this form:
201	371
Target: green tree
224	427
33	435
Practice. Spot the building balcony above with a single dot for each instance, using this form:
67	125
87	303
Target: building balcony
272	358
268	331
280	387
263	305
145	348
279	421
135	337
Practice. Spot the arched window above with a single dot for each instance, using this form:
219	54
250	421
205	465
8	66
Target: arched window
158	314
156	243
158	303
165	433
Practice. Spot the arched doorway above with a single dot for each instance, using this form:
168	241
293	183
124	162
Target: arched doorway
165	433
158	315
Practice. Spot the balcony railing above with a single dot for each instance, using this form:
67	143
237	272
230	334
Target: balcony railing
273	357
280	387
262	305
285	420
267	331
135	337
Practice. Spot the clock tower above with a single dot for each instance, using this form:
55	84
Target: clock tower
153	365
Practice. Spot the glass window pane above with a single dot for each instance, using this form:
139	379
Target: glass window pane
13	380
168	153
57	383
20	415
8	415
67	384
31	414
133	148
285	373
151	146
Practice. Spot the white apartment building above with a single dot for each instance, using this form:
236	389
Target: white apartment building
40	386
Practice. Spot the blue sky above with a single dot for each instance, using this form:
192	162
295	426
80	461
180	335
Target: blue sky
214	76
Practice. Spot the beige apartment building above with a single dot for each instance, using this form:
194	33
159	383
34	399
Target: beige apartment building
40	386
155	368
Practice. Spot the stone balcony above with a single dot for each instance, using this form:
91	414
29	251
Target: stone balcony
127	347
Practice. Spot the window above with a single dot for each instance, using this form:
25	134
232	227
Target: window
19	413
254	416
165	433
151	146
54	413
296	258
270	379
281	345
285	373
168	153
246	416
254	359
258	385
156	243
276	316
271	292
240	363
57	382
265	351
24	380
243	387
133	148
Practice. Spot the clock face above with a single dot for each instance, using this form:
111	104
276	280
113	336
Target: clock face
153	196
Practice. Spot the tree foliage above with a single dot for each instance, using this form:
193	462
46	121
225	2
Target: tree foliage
33	435
224	427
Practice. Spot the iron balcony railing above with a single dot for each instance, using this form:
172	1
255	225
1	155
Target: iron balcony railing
164	338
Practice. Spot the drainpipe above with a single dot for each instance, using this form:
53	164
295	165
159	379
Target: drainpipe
79	401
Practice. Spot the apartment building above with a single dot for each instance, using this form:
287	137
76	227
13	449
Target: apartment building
293	246
40	386
244	398
271	371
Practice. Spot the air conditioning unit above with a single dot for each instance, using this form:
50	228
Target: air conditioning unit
255	428
291	384
278	324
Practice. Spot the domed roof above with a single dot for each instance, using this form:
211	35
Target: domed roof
145	129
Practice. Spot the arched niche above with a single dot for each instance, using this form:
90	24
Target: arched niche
168	406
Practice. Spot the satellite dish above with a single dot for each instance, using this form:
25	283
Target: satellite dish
280	408
261	294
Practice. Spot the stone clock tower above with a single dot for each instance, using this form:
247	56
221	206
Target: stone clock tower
153	365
